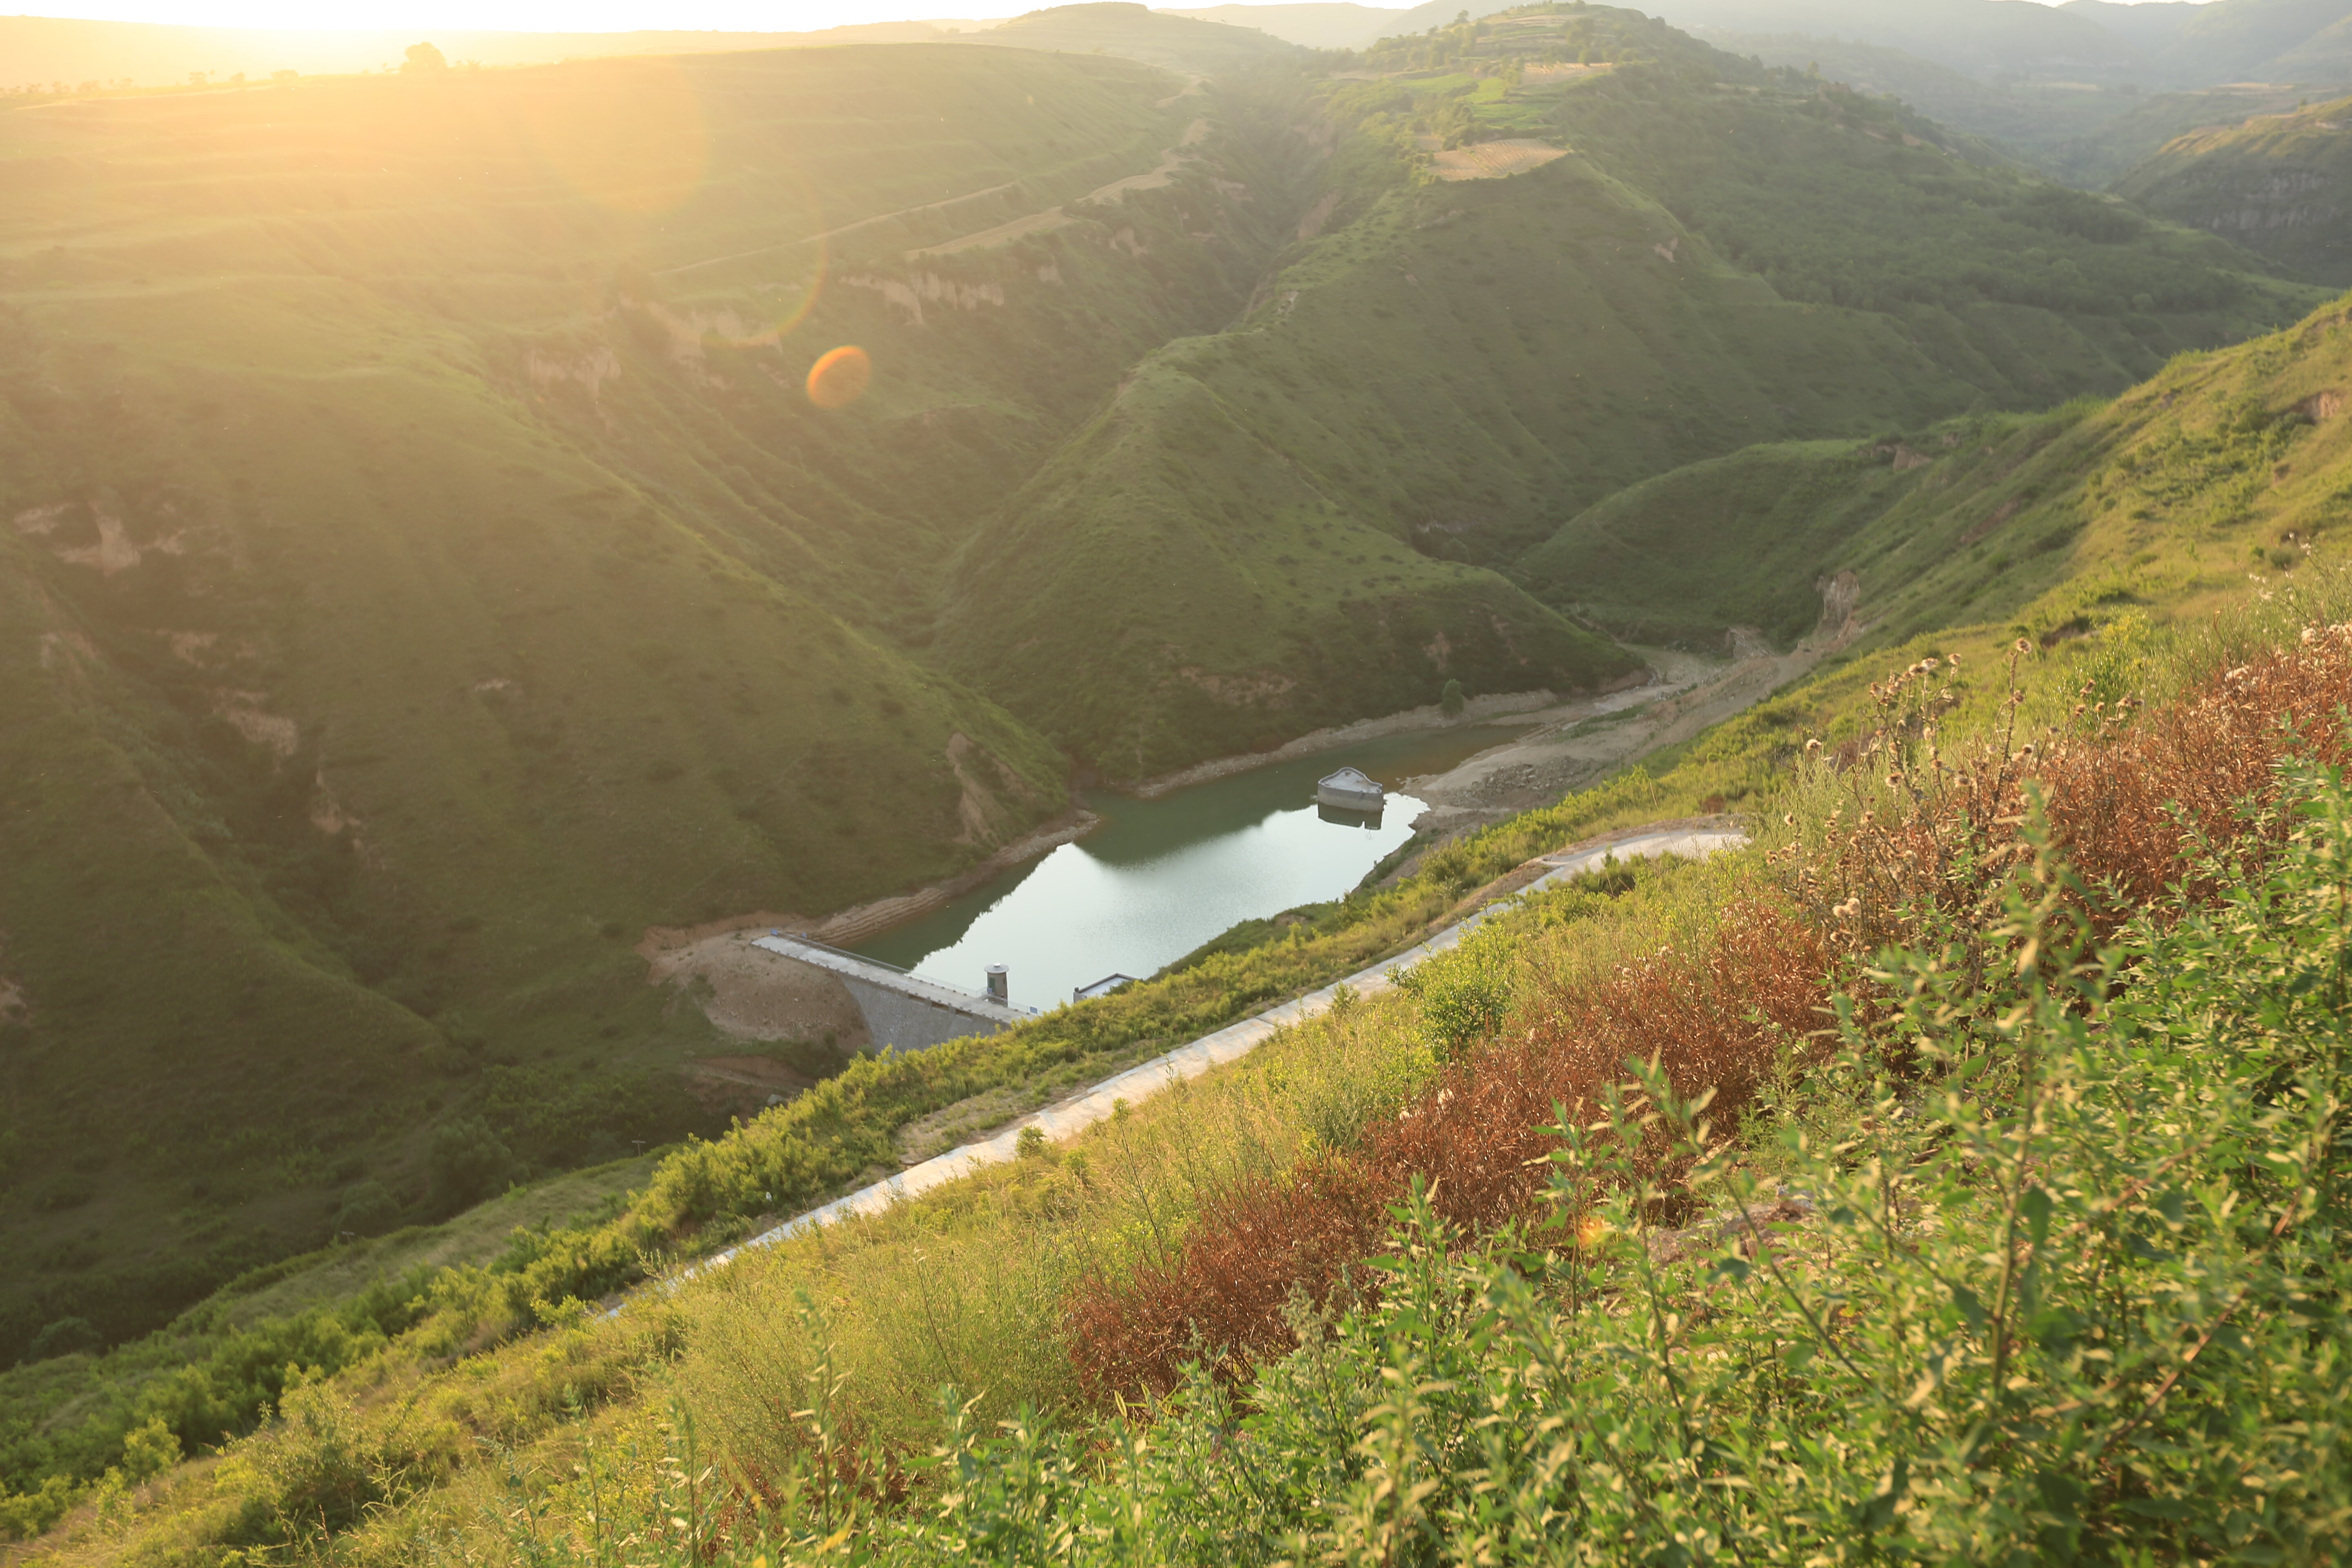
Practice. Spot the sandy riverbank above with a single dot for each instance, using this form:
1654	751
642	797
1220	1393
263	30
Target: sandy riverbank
1503	707
1574	747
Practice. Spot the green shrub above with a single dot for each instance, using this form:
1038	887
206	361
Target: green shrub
148	1450
67	1336
467	1164
2072	1288
1464	992
316	1470
26	1515
367	1210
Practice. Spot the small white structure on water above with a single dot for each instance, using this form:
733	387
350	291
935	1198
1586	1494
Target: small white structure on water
1349	790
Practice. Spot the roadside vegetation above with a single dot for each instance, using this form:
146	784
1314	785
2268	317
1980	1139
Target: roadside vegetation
427	570
1299	1156
1957	921
2063	780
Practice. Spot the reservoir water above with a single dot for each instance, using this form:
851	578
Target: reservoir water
1159	878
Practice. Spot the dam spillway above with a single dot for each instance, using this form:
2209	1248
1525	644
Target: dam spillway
904	1012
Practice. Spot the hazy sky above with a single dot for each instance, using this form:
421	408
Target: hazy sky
517	15
538	16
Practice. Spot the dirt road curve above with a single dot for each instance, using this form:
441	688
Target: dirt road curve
1572	746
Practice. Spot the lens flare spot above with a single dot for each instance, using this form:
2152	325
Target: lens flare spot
841	377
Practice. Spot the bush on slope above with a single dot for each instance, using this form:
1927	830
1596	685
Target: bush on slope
2062	1283
1905	837
2183	478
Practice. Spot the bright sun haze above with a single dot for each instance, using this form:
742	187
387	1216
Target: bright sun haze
499	16
523	15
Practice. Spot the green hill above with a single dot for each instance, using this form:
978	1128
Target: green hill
2228	465
1178	42
1442	372
1205	1207
2082	133
428	568
1982	37
1315	25
2257	40
1750	539
39	54
2138	45
424	571
2322	59
2278	185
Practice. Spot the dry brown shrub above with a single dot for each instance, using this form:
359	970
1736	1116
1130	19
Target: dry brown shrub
2133	796
1477	1138
2136	799
1223	1296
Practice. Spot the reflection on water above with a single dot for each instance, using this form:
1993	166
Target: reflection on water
1160	878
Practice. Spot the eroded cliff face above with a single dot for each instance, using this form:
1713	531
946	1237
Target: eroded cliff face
2280	185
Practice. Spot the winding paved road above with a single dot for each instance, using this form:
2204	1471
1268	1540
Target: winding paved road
1229	1044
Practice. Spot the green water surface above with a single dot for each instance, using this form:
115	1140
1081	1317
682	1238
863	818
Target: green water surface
1159	878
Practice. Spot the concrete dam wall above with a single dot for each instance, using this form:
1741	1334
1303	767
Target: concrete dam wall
902	1010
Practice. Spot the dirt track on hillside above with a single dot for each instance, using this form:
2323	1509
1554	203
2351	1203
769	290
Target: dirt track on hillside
1053	217
1494	160
1574	747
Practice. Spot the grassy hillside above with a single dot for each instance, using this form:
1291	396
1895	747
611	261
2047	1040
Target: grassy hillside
2082	133
2325	57
427	563
1124	27
2139	45
1440	372
426	570
1317	25
86	58
1749	540
1982	37
1078	1273
2276	184
2101	156
1951	523
2257	40
2225	464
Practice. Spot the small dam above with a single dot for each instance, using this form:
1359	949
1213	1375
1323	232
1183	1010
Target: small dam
903	1011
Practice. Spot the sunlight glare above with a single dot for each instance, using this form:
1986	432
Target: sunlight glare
629	135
